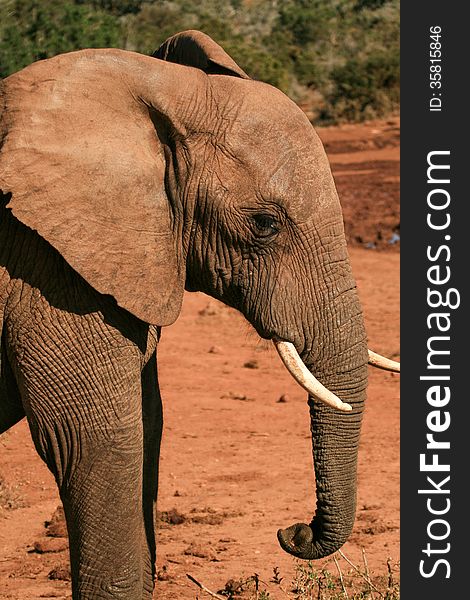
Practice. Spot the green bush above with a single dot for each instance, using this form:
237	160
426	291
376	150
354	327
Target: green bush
31	30
364	89
339	58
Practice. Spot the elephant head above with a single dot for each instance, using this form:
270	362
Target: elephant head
152	175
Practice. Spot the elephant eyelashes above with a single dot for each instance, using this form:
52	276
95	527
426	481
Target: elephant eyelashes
266	225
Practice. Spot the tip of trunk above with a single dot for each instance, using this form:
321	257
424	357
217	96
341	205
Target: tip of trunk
302	541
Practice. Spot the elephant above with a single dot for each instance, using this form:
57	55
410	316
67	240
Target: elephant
126	180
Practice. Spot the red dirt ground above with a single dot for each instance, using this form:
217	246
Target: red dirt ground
236	463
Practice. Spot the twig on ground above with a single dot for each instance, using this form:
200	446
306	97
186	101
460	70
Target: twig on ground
204	589
361	574
341	578
366	568
390	573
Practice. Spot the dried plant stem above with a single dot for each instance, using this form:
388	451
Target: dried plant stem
284	591
390	573
361	574
204	589
341	578
366	568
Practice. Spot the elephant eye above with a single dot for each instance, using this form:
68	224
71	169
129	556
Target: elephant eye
266	225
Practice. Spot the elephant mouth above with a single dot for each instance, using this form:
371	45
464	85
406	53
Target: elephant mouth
301	374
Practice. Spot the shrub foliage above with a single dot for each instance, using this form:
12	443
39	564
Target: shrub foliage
338	58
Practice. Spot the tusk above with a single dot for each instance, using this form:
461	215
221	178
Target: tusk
296	367
376	360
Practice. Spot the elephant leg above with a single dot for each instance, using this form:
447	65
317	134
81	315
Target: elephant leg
85	410
152	418
11	408
103	511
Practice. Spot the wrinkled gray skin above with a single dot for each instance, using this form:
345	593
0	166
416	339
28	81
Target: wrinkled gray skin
127	179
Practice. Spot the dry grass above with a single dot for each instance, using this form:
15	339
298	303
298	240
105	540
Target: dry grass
338	579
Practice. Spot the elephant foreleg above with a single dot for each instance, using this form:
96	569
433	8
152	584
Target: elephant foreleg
152	418
102	503
89	413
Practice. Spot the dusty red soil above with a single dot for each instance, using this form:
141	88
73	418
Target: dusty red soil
236	462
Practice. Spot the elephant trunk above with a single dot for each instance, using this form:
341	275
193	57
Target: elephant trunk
341	366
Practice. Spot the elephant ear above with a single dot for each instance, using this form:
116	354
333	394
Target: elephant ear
82	159
196	49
